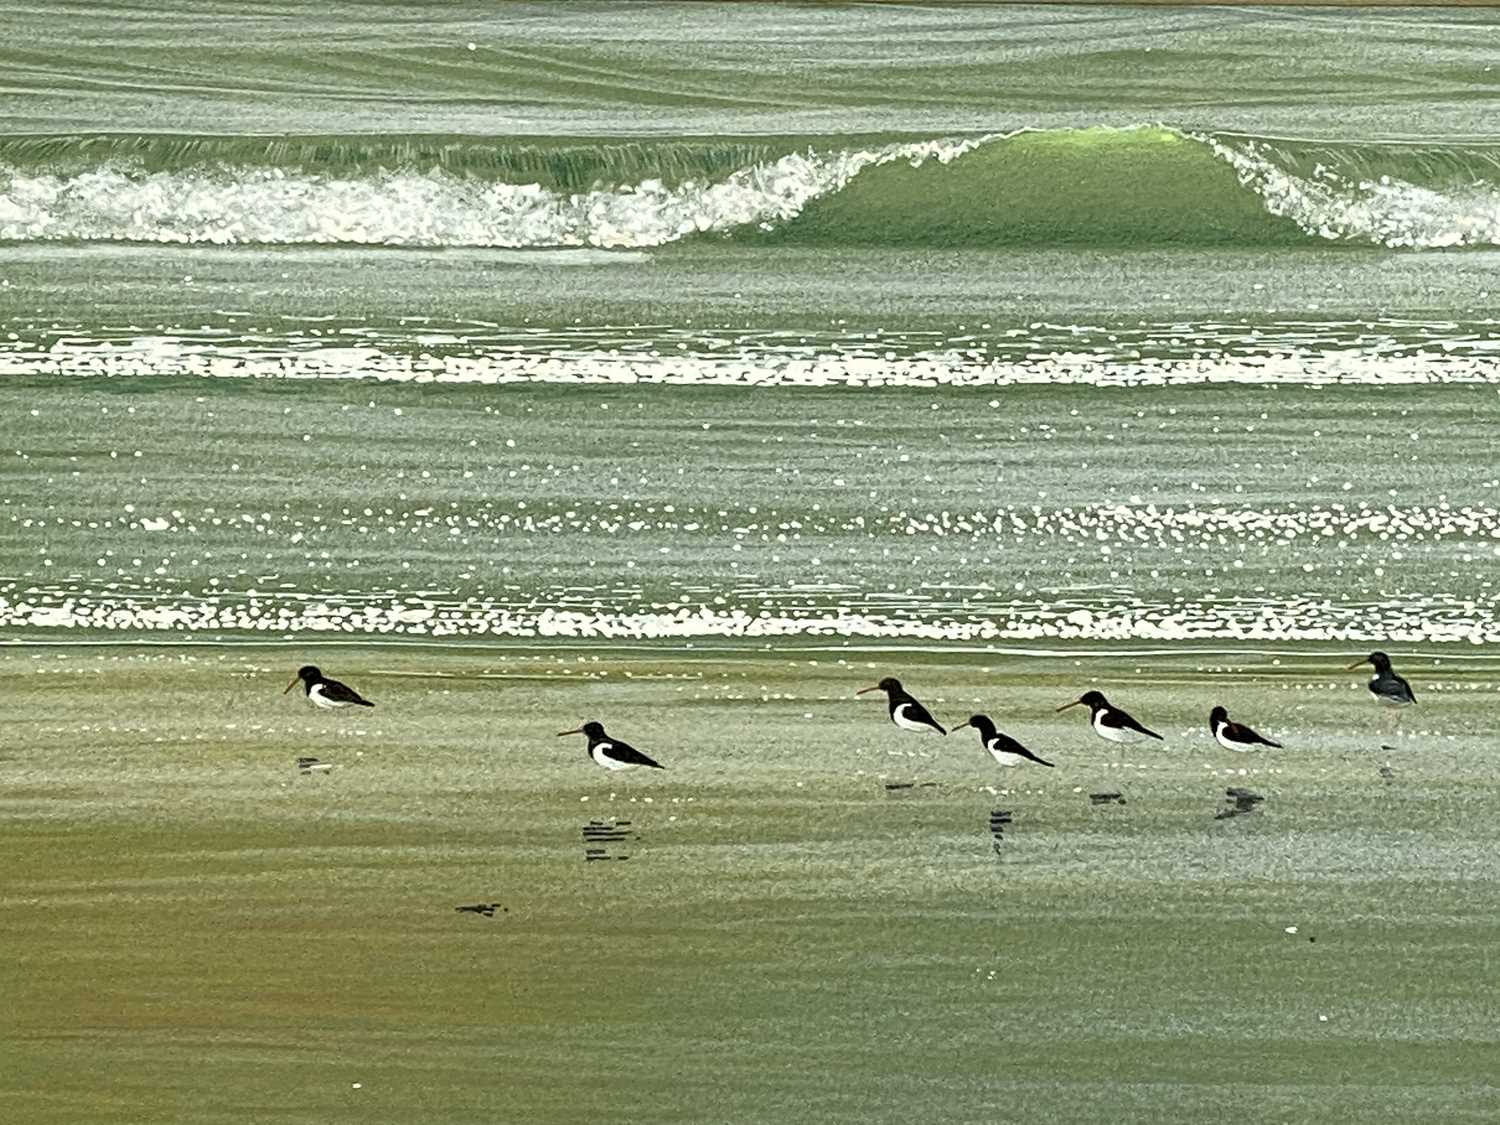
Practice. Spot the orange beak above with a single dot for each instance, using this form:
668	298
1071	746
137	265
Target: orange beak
295	681
866	690
1075	703
1355	665
962	725
561	733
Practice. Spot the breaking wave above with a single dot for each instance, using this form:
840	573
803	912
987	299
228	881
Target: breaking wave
1144	185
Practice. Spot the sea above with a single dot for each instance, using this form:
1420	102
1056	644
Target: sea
772	325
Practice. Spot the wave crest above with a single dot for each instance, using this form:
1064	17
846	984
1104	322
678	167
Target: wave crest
122	201
1147	185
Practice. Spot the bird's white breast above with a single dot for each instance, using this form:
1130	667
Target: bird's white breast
317	696
1219	729
599	752
1003	757
1115	734
900	718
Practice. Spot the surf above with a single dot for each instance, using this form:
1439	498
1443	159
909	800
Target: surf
1146	185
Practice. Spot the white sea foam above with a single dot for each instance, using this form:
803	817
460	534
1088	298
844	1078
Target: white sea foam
1383	210
1435	619
121	202
475	363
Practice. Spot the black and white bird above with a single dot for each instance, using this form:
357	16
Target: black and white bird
1002	747
1235	736
611	753
1387	687
906	712
324	692
1110	722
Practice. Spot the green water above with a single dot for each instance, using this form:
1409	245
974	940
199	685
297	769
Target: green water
689	369
875	445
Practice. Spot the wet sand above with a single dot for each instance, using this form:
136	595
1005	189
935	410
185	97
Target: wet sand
198	931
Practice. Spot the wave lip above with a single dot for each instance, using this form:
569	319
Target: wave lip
1139	186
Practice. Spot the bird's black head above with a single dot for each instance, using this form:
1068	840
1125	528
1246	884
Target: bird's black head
1093	700
890	685
1380	660
307	675
1217	715
595	731
982	723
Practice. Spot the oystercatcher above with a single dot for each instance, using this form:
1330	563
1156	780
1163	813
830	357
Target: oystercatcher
324	692
1235	736
1386	686
1109	721
1002	747
906	712
611	753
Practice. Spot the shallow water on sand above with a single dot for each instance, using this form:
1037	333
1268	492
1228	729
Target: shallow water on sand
196	926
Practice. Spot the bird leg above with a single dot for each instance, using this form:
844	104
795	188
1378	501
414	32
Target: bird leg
1393	722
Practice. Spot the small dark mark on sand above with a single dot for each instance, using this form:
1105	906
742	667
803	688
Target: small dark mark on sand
605	832
1000	820
1241	801
904	788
